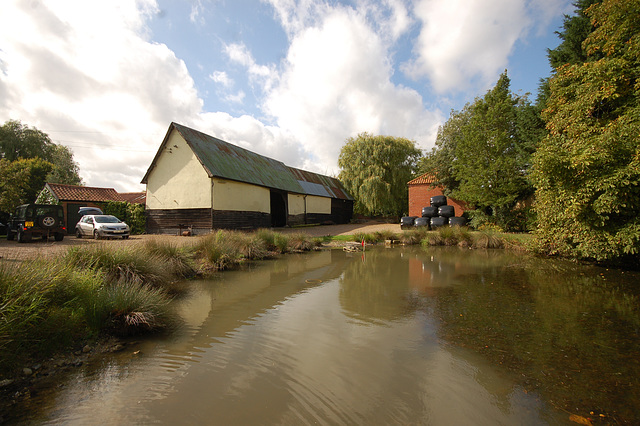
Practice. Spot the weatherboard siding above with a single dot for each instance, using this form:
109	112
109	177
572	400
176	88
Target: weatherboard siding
178	180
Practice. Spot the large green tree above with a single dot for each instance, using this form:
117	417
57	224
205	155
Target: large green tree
375	170
28	159
21	141
21	180
483	152
576	28
587	170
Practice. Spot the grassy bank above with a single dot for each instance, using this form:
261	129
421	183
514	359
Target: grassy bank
445	236
49	306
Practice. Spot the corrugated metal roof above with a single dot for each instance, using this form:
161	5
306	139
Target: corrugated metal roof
224	160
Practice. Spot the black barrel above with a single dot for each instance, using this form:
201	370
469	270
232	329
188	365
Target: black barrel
457	221
407	221
438	200
421	221
446	211
437	222
429	211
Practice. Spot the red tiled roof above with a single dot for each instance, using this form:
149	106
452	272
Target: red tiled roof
83	193
133	197
426	178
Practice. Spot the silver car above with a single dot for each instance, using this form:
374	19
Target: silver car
101	226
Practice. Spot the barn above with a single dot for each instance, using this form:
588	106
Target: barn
204	183
421	189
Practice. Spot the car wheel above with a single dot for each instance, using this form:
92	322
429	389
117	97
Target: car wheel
96	235
59	236
126	237
78	233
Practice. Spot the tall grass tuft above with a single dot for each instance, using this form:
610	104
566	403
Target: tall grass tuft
385	235
273	241
300	242
488	240
124	264
363	236
247	245
178	260
414	236
226	249
129	308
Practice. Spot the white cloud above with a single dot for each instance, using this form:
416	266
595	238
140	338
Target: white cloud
87	75
236	98
261	74
222	78
466	43
336	84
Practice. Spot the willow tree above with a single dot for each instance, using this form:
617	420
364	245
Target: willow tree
375	170
587	170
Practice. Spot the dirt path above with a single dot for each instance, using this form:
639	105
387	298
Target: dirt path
14	251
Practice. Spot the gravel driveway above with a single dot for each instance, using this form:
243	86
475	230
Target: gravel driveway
13	251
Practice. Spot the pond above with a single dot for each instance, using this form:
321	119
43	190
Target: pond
393	336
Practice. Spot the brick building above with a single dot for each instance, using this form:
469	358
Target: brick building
421	190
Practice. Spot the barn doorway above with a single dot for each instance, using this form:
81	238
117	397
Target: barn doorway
278	209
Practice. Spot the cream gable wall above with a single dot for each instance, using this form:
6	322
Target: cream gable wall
237	196
178	180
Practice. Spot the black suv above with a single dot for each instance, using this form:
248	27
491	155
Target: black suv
37	220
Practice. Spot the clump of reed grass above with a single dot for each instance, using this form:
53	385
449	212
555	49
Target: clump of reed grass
129	308
178	260
385	235
225	249
413	236
366	237
124	264
300	241
274	241
488	240
449	236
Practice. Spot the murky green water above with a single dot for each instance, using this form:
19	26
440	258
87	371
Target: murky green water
393	337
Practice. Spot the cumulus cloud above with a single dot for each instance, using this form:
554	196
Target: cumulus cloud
465	43
88	76
222	78
336	83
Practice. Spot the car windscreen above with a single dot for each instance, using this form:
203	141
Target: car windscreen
106	219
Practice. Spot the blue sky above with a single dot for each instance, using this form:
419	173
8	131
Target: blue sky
289	79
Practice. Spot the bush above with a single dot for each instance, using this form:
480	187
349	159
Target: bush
132	214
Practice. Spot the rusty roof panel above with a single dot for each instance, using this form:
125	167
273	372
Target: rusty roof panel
222	159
